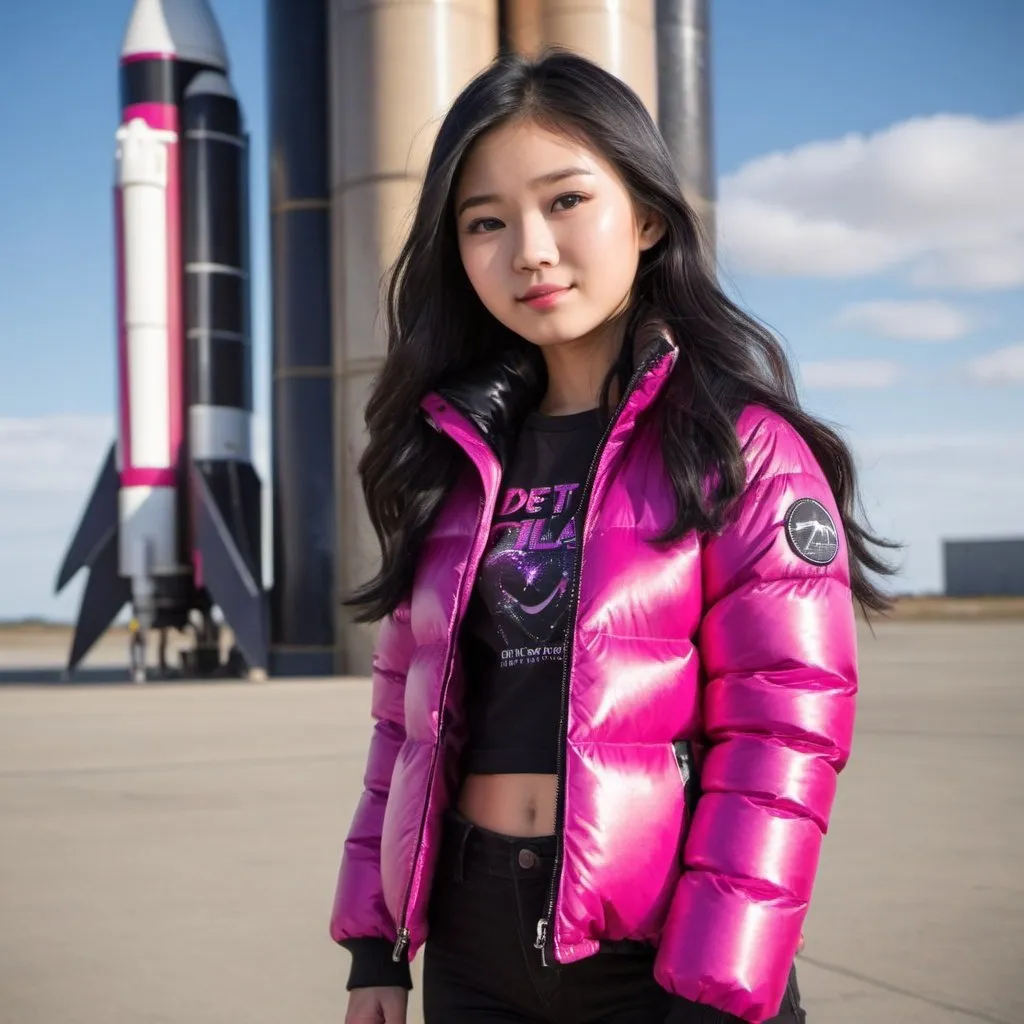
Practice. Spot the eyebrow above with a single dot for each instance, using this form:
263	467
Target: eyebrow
552	178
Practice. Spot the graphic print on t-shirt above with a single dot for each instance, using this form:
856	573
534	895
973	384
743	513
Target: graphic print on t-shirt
525	577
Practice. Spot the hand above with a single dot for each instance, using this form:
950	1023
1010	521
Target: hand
800	944
377	1006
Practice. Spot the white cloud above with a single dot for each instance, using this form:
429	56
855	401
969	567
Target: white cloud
851	373
923	320
52	455
48	467
921	489
938	197
998	265
1004	366
940	446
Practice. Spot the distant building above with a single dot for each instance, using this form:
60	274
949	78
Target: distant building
984	568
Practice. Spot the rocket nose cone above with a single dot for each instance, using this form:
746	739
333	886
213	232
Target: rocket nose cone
210	83
185	29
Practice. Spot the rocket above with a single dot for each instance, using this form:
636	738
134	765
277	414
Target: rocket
173	526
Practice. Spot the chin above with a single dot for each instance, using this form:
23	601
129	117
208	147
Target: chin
551	330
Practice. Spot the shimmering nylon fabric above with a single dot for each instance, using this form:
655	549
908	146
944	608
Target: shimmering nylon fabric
731	641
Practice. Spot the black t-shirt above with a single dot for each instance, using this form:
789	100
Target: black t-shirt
513	635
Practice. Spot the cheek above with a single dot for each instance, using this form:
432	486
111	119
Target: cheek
610	246
478	261
616	227
481	263
604	228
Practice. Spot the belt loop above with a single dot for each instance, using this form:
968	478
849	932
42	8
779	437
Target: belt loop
460	857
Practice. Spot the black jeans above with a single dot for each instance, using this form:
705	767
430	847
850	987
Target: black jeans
480	964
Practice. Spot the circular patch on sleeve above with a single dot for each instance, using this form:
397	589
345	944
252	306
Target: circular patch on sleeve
811	532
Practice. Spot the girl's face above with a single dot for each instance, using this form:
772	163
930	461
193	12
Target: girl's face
549	235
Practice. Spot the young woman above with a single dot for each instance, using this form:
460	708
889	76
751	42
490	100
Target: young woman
615	676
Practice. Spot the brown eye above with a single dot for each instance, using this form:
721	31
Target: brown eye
569	201
483	225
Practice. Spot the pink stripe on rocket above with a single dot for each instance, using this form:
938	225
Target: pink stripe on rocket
157	115
147	477
124	416
175	327
134	58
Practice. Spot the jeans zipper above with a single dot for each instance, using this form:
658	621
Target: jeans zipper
544	940
403	932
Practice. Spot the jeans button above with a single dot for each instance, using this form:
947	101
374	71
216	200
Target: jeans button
527	859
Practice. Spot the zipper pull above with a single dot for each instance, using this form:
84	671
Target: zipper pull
403	941
542	934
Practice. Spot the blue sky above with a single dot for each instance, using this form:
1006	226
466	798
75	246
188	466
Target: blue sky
871	161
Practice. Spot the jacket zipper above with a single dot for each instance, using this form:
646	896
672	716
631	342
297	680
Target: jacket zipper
686	763
403	931
543	925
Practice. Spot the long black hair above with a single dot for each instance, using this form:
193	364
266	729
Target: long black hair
438	330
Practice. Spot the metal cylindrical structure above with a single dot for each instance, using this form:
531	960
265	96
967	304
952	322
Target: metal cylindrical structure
617	34
522	25
684	100
395	66
303	446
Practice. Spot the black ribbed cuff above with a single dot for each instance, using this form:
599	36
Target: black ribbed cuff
372	966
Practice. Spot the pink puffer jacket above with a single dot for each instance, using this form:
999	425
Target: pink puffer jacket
742	643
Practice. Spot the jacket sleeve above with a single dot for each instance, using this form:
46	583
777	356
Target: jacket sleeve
778	646
361	921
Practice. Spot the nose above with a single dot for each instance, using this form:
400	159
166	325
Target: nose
535	245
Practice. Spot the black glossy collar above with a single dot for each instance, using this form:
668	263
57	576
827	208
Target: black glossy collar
498	396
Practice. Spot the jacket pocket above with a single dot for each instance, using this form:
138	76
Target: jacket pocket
686	764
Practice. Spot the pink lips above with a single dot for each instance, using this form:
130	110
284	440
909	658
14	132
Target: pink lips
543	296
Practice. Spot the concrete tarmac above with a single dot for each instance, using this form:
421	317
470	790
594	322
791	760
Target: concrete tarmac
168	852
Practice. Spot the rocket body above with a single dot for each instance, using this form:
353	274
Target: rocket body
147	210
180	533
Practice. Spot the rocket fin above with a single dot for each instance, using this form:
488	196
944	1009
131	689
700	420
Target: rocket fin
98	525
106	593
227	572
